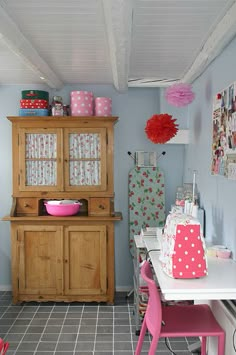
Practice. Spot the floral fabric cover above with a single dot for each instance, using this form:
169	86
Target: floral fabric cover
146	200
183	252
40	154
85	156
84	159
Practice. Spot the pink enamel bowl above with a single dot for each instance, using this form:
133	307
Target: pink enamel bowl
62	208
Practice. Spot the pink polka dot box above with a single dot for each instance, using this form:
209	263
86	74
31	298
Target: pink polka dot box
81	103
183	252
103	106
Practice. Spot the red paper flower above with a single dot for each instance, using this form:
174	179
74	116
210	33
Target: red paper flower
161	128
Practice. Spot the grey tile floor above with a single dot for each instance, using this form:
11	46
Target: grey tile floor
75	329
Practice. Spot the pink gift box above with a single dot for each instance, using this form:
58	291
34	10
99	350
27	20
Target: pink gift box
81	103
103	106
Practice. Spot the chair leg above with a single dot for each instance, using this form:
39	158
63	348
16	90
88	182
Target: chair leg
153	346
141	338
203	346
221	344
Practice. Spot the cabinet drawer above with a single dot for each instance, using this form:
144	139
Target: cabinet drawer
27	206
100	206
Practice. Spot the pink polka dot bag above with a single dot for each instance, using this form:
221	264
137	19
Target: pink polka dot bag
183	252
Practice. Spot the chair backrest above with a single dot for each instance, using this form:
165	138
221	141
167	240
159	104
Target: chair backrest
153	315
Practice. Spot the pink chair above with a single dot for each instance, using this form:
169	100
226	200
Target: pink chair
3	347
176	321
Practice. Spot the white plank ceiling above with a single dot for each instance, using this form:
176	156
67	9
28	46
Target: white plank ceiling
140	43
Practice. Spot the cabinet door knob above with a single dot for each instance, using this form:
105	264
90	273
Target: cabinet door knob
102	207
26	204
66	261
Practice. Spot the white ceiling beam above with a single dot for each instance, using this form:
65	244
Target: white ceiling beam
151	83
216	42
18	44
118	19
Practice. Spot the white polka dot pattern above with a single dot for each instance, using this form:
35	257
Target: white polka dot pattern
81	103
103	106
189	248
183	248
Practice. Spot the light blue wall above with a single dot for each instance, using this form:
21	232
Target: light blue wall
133	108
217	194
180	113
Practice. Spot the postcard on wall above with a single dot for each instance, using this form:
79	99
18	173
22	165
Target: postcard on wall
224	132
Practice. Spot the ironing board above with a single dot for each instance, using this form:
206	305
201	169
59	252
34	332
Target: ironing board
146	200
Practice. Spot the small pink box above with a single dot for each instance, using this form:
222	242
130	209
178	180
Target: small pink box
223	253
103	106
81	103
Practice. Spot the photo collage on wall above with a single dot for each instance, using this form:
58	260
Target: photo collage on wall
224	133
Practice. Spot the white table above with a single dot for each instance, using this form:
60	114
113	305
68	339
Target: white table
219	284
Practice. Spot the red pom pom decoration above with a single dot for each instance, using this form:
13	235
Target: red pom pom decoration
161	128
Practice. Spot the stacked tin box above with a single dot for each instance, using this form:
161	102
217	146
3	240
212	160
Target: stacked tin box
34	103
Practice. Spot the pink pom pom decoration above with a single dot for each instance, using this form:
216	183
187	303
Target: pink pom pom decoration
179	94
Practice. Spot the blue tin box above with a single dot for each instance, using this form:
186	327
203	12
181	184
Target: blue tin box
33	112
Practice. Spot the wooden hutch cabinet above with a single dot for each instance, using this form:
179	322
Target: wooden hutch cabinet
63	258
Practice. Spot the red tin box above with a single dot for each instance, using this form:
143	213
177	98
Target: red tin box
25	103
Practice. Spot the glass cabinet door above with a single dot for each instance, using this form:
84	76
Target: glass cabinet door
40	159
85	159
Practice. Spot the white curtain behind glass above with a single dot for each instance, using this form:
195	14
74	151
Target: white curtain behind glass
84	155
40	157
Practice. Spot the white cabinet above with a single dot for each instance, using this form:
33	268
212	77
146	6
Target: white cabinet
228	323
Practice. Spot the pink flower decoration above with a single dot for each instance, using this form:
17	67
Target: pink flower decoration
179	94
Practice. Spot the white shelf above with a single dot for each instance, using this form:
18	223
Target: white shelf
182	137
